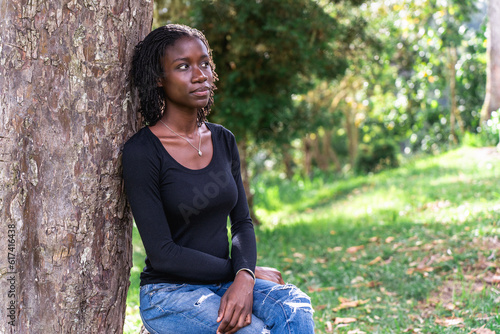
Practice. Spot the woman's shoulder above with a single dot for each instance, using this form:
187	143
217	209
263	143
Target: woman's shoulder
220	130
141	142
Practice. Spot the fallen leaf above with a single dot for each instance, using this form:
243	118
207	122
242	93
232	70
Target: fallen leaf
482	330
388	240
328	288
319	260
346	303
374	239
299	255
344	320
375	260
332	232
450	306
452	321
357	279
356	331
354	249
420	270
493	280
370	284
387	293
329	327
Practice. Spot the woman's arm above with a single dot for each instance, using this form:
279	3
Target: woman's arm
244	248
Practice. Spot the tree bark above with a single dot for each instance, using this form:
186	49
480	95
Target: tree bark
492	98
65	111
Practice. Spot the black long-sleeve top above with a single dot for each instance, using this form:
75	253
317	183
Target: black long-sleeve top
181	214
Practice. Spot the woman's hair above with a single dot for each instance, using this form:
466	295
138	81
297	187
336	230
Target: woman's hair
146	70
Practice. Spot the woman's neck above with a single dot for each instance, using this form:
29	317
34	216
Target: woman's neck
181	123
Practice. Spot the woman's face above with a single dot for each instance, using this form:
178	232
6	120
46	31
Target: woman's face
188	78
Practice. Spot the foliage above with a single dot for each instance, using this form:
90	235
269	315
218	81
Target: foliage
363	72
265	52
489	134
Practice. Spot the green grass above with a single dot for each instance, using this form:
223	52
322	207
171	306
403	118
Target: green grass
414	246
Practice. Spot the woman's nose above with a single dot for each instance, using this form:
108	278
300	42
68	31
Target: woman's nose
199	75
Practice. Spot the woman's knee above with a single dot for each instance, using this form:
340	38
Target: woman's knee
291	305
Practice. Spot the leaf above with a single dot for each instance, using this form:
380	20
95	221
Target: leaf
388	240
299	255
354	249
482	330
346	303
329	327
356	331
375	260
328	288
344	320
448	322
493	280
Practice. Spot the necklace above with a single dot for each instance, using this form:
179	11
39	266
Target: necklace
178	135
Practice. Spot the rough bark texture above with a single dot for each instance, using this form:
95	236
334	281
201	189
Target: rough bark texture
492	98
65	112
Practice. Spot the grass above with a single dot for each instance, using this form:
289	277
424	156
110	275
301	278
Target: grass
408	250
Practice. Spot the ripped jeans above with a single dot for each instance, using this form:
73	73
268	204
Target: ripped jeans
192	309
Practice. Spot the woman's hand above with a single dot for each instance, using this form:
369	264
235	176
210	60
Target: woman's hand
269	274
235	311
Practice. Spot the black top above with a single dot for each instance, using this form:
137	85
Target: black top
181	213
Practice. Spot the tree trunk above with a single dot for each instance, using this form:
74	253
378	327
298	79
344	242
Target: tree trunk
307	144
454	113
352	135
492	98
288	161
319	157
245	176
65	111
330	152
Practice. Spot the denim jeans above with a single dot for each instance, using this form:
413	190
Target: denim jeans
192	309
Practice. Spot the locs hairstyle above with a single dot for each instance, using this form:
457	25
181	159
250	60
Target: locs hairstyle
146	70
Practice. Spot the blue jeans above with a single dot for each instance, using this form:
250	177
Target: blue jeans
192	309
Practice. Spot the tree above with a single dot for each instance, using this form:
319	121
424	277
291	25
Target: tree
65	111
492	98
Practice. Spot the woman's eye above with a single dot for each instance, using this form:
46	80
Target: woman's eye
205	64
182	66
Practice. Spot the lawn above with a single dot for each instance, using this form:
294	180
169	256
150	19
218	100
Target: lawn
410	250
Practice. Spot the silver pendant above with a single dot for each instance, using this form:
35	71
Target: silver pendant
199	153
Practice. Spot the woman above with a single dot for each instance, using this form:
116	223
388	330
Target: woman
182	178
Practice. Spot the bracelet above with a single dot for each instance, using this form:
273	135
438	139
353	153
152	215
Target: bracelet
247	270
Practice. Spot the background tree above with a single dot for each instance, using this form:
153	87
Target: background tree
65	110
492	98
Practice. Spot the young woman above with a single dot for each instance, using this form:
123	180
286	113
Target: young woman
182	179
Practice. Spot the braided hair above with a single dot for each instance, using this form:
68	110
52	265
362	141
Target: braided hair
146	70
